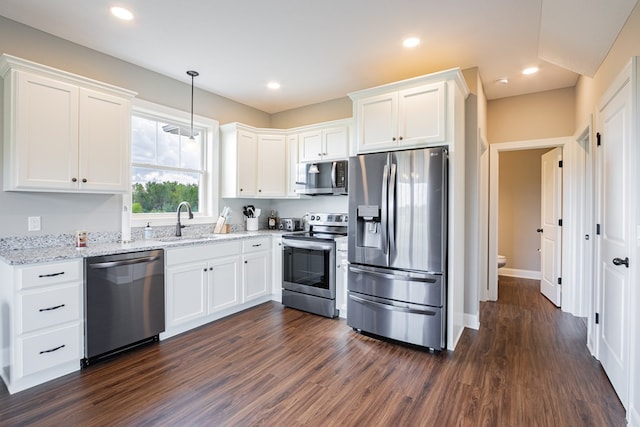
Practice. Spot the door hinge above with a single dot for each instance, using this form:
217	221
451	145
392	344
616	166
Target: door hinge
559	280
560	163
598	229
598	139
597	318
560	222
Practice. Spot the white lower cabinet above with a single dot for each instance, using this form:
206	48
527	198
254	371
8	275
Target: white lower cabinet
186	287
224	283
276	268
256	275
207	282
41	330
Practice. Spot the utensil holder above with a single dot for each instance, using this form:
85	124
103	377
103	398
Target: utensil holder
252	224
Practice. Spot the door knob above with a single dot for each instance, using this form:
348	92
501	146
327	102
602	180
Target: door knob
539	230
620	261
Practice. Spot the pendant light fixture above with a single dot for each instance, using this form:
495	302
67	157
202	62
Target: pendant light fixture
192	74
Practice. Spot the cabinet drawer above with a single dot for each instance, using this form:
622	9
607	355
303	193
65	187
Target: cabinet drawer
256	245
46	350
48	307
203	252
49	274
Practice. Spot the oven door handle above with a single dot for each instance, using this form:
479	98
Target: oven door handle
327	247
391	307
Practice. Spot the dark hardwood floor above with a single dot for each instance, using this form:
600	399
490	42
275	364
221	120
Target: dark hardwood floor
527	365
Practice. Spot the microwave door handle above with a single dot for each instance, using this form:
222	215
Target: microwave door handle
392	208
383	214
334	165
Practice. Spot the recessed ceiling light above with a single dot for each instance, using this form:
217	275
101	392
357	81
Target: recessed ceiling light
273	85
502	81
411	42
530	70
122	13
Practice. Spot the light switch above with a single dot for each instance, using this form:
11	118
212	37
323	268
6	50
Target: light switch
33	223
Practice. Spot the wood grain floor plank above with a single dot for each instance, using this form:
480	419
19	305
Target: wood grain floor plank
270	366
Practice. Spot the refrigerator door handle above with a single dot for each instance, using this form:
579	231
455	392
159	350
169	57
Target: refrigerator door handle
407	276
384	213
392	208
391	306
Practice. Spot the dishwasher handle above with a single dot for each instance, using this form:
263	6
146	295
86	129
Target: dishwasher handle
142	260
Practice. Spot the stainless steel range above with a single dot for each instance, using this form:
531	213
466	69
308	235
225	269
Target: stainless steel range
309	264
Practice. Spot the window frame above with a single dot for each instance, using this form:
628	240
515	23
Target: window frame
209	193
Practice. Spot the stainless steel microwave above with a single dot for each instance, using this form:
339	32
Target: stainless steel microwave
323	178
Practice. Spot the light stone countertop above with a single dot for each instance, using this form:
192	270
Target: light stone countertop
60	253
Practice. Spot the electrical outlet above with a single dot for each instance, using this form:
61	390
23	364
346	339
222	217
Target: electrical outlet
33	223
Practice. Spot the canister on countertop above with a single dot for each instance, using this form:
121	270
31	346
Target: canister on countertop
81	239
148	232
272	221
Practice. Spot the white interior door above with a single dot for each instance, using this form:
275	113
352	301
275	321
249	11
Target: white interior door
613	219
551	231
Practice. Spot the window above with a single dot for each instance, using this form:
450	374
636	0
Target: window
168	168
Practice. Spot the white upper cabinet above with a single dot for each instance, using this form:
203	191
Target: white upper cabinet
63	132
254	162
272	166
408	114
324	144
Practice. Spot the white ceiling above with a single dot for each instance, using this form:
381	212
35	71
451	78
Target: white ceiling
324	49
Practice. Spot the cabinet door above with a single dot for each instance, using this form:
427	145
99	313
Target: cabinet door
224	283
256	275
378	123
272	166
185	293
276	268
293	167
46	134
105	128
336	143
421	115
310	146
247	162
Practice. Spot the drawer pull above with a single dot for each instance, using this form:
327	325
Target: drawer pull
51	275
52	308
257	245
52	350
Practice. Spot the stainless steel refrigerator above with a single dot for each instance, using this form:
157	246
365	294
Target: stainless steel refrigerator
397	283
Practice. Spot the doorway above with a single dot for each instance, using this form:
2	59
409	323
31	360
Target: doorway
491	293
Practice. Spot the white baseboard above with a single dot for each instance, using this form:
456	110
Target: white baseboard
633	417
471	321
523	274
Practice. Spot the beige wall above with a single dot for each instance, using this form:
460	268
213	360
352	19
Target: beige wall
519	208
64	213
340	108
540	115
589	91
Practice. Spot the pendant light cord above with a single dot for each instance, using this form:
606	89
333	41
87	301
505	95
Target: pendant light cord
192	74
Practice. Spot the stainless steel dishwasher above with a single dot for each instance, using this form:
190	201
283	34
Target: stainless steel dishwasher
124	302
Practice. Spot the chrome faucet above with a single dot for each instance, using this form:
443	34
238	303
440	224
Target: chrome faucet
179	226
